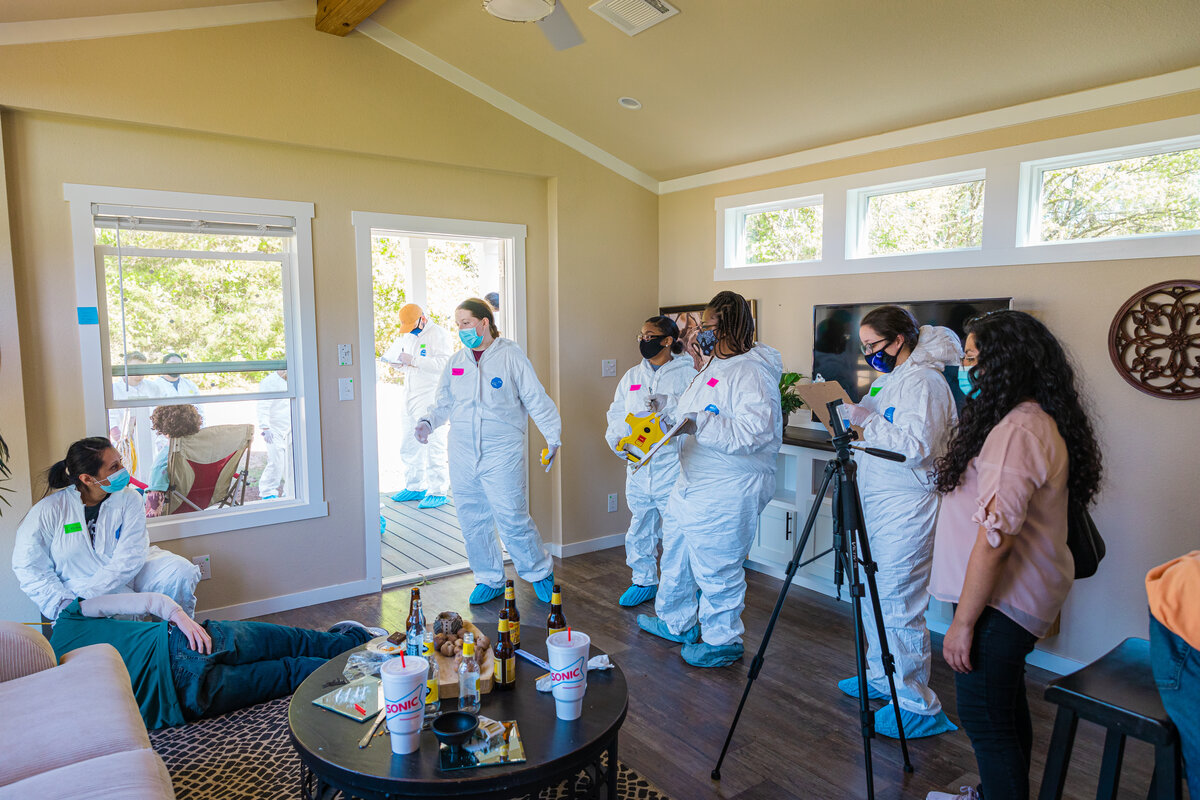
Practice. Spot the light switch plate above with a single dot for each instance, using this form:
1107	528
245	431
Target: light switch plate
345	388
612	502
345	355
205	565
608	368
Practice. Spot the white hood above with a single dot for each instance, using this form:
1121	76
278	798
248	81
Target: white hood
936	347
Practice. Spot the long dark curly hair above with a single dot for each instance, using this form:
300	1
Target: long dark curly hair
1019	359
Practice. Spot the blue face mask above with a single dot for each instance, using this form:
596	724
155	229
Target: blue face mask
881	361
117	481
470	337
707	341
969	389
416	331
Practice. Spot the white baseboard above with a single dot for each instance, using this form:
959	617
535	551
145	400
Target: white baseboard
587	546
287	602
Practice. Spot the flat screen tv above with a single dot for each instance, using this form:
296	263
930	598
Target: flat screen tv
836	354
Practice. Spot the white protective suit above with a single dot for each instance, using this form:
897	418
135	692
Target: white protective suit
134	424
487	405
648	490
184	387
914	415
726	478
276	416
56	561
424	466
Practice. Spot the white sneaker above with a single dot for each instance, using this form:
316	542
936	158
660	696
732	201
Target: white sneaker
350	623
964	793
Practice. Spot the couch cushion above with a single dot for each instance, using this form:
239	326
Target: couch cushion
132	775
77	711
23	651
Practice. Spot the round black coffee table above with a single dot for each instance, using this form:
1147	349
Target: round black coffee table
330	761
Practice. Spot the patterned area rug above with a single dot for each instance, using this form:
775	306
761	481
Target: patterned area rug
246	755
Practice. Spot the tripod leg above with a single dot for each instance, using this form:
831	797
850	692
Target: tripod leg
757	662
865	718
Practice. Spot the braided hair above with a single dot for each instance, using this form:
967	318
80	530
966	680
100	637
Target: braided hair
735	323
1020	359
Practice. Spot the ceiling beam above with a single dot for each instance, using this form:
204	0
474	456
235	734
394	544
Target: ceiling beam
340	17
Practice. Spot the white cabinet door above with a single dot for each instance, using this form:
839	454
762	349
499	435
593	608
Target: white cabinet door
776	537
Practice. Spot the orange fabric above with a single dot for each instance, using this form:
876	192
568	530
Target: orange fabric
1174	592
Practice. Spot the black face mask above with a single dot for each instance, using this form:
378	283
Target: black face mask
651	347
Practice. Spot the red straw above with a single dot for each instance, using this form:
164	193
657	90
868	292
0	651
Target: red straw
568	633
402	664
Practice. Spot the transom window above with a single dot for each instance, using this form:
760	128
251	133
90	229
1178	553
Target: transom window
926	216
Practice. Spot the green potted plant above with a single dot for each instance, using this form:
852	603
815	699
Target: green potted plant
5	473
789	401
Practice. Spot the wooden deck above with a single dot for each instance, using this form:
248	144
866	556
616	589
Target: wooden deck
419	539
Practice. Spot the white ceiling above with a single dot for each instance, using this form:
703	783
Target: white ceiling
732	81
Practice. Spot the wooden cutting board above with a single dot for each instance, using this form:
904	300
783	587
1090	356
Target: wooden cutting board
448	670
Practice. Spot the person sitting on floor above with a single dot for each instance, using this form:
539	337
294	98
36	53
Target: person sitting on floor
182	670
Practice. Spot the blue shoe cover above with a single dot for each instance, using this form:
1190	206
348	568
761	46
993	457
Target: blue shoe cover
382	525
636	595
482	594
433	501
544	588
700	654
407	495
659	628
916	726
849	687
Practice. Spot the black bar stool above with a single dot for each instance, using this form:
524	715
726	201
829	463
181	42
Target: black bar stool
1118	692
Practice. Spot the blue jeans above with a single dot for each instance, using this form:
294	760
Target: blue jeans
251	662
993	707
1177	672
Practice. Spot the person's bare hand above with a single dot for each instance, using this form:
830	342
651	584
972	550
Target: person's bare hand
197	637
956	646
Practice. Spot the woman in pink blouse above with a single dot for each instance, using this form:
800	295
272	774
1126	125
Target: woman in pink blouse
1023	445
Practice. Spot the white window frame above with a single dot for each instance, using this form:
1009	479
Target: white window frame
1031	186
858	201
300	315
735	222
1006	211
365	224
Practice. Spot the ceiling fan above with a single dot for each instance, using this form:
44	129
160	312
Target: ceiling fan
550	15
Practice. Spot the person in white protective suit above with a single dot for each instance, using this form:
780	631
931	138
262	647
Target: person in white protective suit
653	385
486	393
89	539
909	410
176	385
275	426
129	428
421	354
734	427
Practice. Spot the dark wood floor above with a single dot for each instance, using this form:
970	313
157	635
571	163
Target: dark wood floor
799	736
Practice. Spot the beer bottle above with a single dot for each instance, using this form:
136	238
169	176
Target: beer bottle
556	621
413	602
506	658
514	616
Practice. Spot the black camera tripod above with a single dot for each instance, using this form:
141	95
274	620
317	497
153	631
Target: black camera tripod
852	555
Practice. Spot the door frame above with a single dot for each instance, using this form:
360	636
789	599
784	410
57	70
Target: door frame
365	222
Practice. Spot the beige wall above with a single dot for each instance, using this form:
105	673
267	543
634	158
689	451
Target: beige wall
280	111
1146	511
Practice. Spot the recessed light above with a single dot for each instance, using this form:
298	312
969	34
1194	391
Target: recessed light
630	102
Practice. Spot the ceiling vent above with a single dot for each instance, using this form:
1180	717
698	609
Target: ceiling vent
634	16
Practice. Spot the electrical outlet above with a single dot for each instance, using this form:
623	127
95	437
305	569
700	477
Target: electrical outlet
345	355
345	388
612	502
608	368
205	565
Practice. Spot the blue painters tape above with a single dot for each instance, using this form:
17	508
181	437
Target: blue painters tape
710	408
87	315
891	412
497	383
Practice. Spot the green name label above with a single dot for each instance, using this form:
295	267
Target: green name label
876	390
72	527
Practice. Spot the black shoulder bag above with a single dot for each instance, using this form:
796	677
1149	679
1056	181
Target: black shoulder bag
1083	539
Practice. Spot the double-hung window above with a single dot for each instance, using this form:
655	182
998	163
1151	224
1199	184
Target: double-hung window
196	326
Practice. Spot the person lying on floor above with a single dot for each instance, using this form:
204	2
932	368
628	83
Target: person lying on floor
182	670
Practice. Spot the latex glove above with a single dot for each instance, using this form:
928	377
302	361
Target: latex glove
689	425
114	434
422	432
268	437
405	360
855	414
656	402
548	458
197	637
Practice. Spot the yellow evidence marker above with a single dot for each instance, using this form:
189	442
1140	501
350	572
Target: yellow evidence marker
645	433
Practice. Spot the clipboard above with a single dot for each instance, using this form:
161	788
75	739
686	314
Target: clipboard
658	446
817	395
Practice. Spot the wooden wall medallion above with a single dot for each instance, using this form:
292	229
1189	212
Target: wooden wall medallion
1154	340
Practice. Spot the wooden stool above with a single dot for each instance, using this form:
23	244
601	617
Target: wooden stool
1118	692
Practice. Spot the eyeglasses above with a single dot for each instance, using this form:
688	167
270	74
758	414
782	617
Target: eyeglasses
650	337
870	347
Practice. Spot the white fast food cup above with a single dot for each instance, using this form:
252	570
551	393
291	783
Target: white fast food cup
568	651
404	700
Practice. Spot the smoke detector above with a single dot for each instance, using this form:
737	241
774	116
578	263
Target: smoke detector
633	16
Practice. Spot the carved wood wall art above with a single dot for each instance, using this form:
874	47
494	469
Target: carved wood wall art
1154	340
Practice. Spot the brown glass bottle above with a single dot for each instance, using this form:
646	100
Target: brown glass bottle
514	616
414	604
557	621
505	677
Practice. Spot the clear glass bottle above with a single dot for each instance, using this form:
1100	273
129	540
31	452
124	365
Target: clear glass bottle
468	677
433	703
414	637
